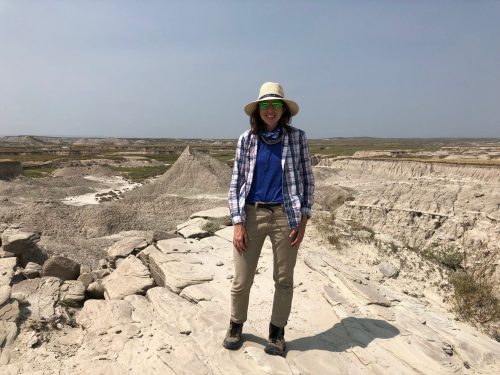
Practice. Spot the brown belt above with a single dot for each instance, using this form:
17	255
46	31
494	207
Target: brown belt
266	206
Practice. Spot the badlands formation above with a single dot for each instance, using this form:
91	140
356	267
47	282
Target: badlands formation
140	285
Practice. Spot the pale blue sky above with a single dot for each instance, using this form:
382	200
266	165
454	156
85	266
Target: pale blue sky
408	68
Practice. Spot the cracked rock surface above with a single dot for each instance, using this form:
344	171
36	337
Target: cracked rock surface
343	321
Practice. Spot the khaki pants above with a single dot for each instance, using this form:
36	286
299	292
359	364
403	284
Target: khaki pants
260	223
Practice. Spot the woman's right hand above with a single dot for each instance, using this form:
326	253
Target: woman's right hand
240	238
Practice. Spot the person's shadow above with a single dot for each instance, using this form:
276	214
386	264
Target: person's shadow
348	333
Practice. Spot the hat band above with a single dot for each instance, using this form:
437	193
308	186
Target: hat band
271	95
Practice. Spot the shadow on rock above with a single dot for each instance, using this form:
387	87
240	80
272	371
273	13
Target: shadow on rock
349	333
256	339
33	254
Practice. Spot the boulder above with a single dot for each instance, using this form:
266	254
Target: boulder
61	267
72	293
388	269
125	247
131	277
32	270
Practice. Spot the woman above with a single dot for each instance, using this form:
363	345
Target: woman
271	194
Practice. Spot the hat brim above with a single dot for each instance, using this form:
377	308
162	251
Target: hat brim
292	106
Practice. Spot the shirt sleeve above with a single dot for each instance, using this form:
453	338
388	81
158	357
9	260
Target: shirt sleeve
235	185
307	176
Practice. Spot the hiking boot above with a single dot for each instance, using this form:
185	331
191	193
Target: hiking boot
276	344
233	340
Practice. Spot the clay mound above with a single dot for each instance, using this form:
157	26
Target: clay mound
193	173
92	170
25	140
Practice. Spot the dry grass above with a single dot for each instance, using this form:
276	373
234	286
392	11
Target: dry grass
474	298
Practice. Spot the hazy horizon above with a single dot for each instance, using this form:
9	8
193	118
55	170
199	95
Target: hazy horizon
185	69
235	138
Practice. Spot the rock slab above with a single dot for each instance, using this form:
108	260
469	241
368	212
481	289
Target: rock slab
125	247
176	274
38	297
131	277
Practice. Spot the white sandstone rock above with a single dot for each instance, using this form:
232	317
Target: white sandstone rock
214	213
131	277
125	247
7	270
174	246
32	270
175	273
72	293
38	296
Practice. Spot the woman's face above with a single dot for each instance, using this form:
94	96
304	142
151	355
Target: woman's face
270	111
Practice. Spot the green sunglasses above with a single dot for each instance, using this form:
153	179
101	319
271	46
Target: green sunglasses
265	105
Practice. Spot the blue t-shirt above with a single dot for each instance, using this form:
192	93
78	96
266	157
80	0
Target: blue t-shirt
268	174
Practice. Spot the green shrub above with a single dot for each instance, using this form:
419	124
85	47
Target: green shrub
393	248
474	299
325	225
38	172
334	240
450	257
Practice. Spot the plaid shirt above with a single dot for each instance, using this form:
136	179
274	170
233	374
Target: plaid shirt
298	179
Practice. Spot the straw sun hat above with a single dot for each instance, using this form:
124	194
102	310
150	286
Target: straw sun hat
270	91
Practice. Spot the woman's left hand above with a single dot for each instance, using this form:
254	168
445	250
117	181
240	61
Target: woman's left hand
297	234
